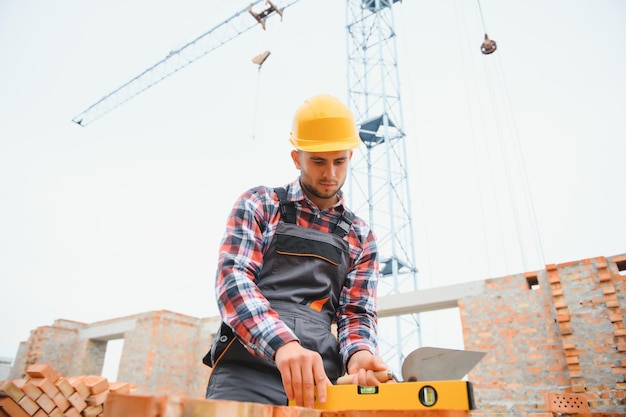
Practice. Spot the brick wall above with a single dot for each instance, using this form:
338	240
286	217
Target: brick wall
556	330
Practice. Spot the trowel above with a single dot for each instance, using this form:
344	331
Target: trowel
431	364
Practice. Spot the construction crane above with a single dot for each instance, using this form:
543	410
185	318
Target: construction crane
178	59
379	181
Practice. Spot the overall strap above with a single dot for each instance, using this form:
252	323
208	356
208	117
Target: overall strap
344	224
288	213
287	208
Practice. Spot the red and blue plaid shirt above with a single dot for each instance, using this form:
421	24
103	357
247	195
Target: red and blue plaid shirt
251	225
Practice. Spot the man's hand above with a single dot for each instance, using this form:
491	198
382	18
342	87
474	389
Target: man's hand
302	370
363	365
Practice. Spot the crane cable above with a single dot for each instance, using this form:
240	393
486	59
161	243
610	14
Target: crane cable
476	152
499	76
489	45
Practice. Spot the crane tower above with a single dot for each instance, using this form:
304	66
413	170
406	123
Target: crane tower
379	184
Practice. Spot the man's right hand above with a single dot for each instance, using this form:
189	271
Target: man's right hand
302	370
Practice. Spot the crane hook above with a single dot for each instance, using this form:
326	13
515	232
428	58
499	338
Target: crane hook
488	46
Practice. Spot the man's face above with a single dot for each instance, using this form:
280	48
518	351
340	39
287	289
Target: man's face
322	174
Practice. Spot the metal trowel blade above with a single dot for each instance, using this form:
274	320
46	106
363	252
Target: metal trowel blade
439	364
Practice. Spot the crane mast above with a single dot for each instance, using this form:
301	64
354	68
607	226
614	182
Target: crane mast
179	58
379	182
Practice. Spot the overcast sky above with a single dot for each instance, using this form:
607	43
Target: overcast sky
516	159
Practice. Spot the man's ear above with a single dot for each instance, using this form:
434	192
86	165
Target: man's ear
295	157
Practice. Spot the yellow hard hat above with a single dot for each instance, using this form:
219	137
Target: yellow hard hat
324	124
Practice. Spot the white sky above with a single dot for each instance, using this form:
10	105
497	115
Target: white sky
124	216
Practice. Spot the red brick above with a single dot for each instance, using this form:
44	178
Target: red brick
30	406
61	401
46	403
10	389
12	408
32	391
42	370
46	386
77	402
79	386
96	384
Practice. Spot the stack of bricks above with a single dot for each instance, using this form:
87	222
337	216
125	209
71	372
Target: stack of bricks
44	392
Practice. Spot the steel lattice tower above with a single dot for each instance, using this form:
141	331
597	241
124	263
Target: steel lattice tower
379	182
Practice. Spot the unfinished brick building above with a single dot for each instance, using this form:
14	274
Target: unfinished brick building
556	330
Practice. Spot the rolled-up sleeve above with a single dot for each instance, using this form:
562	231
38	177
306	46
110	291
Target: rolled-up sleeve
357	319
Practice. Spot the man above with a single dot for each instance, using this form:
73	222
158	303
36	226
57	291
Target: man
292	262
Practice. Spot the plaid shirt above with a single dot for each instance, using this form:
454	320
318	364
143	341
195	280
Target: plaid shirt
251	225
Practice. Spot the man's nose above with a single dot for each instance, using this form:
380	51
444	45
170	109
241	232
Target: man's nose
331	171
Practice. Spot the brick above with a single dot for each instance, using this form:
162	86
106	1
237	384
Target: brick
119	387
56	413
32	391
77	401
563	318
96	384
219	408
97	399
46	403
565	328
10	389
61	401
46	386
72	412
28	405
79	386
619	332
40	413
93	411
42	370
10	407
284	411
65	387
122	405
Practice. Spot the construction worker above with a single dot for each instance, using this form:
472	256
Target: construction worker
292	262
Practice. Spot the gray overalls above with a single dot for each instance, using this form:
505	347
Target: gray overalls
302	276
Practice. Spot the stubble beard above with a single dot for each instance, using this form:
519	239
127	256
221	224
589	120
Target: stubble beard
314	192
